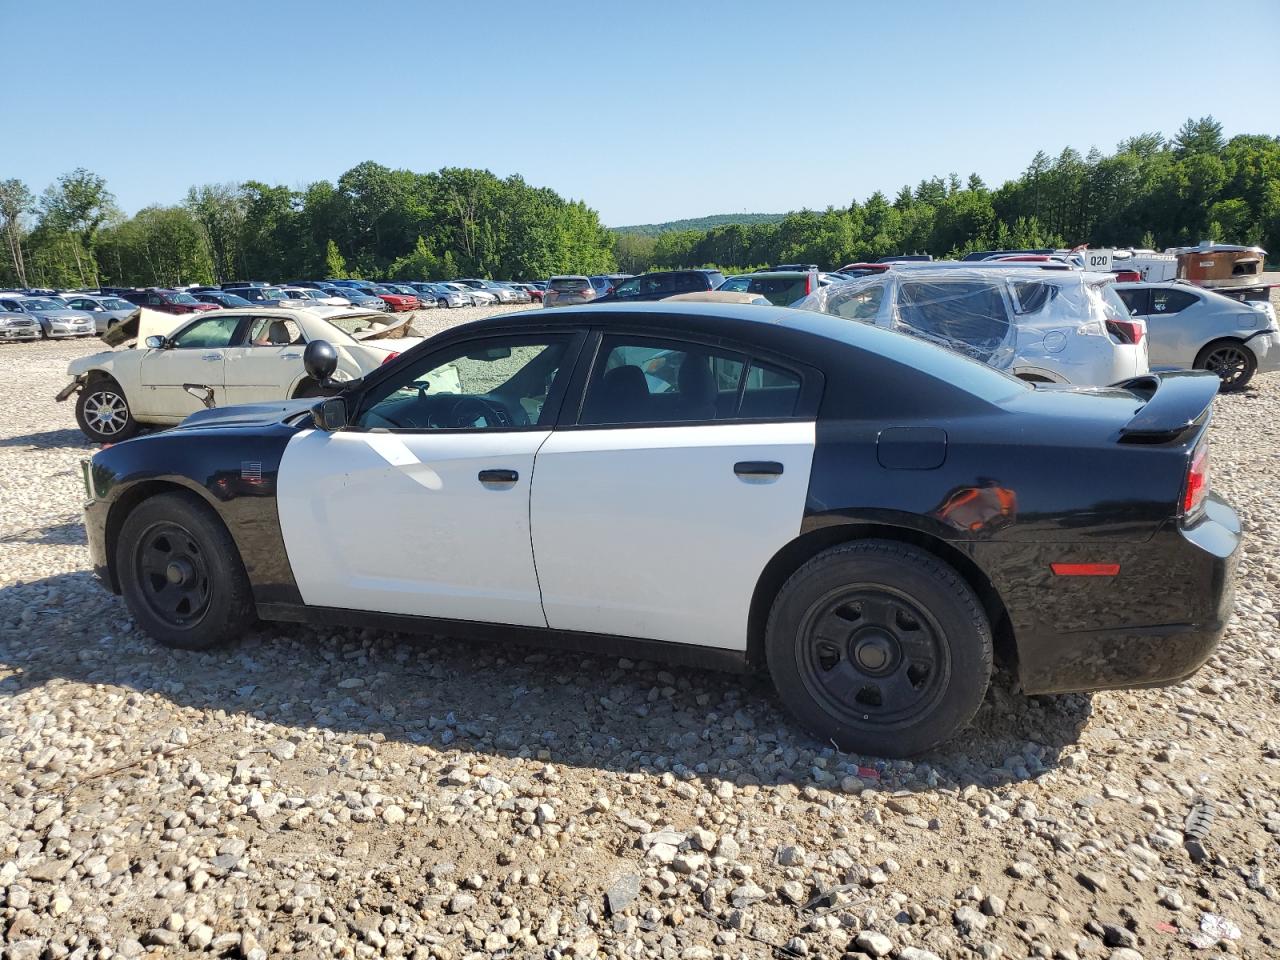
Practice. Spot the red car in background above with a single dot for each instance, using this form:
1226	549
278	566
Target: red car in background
167	301
398	302
534	291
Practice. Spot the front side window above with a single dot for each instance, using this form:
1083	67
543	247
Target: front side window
213	333
273	332
736	284
500	383
647	381
630	288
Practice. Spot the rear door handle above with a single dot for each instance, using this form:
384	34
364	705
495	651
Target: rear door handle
498	476
290	356
211	357
757	469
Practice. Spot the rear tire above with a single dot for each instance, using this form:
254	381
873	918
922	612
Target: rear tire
879	648
1232	361
181	574
102	411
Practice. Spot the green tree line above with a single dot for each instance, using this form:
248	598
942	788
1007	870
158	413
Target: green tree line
373	222
1151	192
380	223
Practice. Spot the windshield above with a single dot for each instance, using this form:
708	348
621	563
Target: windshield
315	294
231	300
182	298
379	290
115	303
43	305
274	293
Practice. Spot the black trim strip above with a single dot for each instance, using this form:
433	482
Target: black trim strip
708	658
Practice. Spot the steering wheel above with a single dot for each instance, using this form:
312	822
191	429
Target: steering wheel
468	410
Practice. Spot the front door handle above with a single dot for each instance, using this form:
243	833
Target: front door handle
290	356
211	357
498	476
757	469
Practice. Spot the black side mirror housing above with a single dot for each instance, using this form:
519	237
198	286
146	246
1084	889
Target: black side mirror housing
320	360
330	414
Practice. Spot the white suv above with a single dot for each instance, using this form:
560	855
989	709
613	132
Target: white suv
1044	326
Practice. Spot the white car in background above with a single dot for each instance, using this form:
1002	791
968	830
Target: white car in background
1191	328
311	298
1043	326
178	365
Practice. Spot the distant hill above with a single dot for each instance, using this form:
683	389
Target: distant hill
699	223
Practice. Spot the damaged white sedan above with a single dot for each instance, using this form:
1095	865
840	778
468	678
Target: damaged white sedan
169	367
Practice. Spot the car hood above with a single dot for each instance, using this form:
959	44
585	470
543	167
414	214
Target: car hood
247	416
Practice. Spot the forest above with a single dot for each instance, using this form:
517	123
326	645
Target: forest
376	222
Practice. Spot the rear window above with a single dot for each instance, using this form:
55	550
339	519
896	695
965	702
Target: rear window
780	291
569	285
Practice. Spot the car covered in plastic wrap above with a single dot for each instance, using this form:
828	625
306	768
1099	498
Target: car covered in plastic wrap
1042	326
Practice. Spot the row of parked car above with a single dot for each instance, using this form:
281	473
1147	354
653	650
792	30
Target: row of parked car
31	314
1038	317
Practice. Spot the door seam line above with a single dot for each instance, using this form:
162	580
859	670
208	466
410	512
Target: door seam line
533	554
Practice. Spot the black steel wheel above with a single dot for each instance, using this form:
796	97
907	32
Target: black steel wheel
879	648
1231	360
180	573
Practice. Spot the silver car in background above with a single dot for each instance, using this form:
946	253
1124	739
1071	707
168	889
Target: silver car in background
501	293
18	326
568	290
1191	328
1042	326
107	310
53	315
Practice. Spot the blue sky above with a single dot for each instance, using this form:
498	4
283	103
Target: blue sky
648	112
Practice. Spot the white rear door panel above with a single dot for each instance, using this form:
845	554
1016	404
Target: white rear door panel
648	532
400	523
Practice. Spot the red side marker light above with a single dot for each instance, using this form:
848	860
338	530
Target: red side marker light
1085	569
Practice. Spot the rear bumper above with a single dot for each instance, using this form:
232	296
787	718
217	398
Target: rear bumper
1266	349
1176	593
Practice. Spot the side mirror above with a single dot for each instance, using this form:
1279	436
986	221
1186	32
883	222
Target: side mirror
330	414
320	360
156	343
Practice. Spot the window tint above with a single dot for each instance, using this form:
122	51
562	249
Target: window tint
208	334
965	315
661	381
501	383
153	300
769	392
1135	300
628	288
780	291
273	332
1171	301
689	282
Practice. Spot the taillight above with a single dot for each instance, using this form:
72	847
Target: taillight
1128	331
391	356
1197	479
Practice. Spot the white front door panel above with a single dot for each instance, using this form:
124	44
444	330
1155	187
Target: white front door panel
648	532
163	372
400	523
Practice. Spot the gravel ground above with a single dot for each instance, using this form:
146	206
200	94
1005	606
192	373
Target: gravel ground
359	794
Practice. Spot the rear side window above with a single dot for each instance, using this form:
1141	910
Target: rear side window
649	381
1171	301
862	304
1033	295
690	282
965	315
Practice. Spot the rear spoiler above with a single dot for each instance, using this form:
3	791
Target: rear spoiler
1176	402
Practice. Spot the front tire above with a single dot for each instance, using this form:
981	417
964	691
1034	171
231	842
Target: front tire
1232	361
879	648
181	574
103	413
